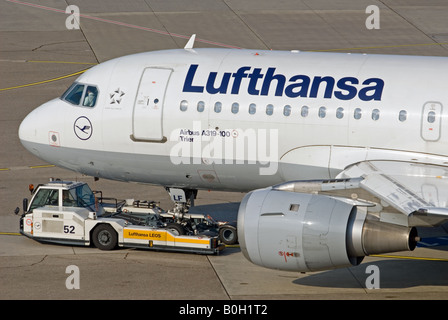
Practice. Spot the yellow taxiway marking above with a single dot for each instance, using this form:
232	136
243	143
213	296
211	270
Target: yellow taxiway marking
407	257
43	166
10	234
28	167
63	62
45	81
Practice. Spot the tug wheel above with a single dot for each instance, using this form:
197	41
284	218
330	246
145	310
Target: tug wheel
105	237
228	235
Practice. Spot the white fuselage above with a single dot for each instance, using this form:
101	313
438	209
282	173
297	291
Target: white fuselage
244	119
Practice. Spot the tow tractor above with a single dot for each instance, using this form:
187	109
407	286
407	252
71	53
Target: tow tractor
69	212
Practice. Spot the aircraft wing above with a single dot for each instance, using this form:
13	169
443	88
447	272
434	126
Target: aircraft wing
419	191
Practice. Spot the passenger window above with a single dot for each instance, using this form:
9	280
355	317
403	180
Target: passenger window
375	114
252	108
287	110
304	111
322	112
357	114
218	107
90	97
183	105
269	109
402	115
74	94
431	117
235	108
340	113
201	106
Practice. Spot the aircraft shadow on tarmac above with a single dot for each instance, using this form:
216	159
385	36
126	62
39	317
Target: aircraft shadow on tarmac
221	211
393	274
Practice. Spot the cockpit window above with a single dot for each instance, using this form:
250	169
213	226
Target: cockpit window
90	97
79	93
74	93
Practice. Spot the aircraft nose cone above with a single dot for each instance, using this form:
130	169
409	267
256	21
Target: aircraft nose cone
28	132
27	129
36	125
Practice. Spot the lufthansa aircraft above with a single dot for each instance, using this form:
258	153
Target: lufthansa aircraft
342	155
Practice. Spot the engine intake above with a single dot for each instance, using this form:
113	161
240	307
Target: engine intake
308	232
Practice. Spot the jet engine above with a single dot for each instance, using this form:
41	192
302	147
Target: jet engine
309	232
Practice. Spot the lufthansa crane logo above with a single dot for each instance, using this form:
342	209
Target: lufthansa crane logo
83	128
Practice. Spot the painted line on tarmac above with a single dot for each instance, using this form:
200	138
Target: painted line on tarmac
385	47
203	40
62	62
48	61
45	81
407	257
10	234
123	24
28	167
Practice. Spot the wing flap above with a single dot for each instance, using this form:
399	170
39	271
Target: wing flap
384	182
420	191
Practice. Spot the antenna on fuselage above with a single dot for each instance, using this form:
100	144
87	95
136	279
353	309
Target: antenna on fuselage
190	43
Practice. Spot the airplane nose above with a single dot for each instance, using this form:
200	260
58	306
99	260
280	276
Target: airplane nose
27	128
28	132
35	128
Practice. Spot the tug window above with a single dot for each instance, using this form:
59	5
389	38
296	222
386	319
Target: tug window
45	197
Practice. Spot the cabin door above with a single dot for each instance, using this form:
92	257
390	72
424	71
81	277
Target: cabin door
148	106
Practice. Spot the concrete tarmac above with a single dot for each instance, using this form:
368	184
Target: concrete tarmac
39	59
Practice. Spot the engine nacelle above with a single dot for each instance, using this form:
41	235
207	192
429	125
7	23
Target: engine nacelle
308	232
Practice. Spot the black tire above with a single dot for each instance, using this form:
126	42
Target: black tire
228	235
105	237
176	228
